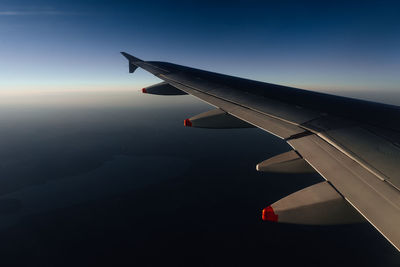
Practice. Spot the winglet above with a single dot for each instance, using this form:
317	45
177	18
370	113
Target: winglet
132	61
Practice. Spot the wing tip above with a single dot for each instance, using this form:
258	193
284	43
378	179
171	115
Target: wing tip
132	61
131	58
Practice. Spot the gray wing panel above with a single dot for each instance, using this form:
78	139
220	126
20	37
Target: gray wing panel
375	149
376	200
376	153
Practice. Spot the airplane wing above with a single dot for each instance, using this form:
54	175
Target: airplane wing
353	144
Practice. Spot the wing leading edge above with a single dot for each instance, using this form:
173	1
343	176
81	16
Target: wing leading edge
352	143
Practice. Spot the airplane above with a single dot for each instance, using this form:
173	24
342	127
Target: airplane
353	144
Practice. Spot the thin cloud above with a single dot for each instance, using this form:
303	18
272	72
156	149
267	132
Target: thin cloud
33	13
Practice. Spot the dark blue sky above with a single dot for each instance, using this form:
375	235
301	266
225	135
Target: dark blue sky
73	45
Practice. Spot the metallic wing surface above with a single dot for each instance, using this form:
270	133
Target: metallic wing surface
353	144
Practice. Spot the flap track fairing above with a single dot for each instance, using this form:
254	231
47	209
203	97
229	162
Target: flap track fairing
216	119
162	88
288	162
319	204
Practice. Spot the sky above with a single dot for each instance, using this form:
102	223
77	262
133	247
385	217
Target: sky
336	46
